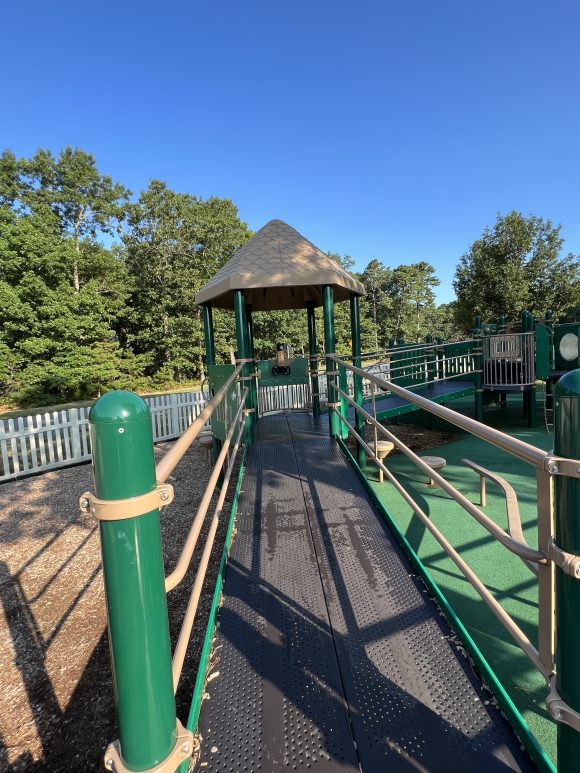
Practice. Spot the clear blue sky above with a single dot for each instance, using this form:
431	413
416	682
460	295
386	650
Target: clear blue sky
393	129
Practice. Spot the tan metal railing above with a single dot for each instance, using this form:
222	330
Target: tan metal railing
542	656
225	459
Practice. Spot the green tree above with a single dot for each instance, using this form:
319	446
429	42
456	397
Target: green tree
377	304
174	245
516	265
412	296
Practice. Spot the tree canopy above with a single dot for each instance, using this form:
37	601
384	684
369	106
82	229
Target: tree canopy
97	286
518	264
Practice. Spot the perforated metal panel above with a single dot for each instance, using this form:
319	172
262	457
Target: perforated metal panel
331	654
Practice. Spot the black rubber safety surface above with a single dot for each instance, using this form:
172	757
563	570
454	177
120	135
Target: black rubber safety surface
330	655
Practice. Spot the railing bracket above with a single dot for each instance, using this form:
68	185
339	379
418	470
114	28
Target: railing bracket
568	562
119	509
559	709
556	465
185	745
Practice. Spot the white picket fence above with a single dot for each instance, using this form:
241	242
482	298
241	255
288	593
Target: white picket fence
45	441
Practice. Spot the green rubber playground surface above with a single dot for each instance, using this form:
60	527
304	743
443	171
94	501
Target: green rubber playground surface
513	585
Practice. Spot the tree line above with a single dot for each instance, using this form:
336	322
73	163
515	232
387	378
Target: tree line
97	286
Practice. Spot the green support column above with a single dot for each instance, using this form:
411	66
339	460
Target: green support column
210	359
243	353
124	466
329	348
358	383
567	510
343	384
313	358
253	396
479	367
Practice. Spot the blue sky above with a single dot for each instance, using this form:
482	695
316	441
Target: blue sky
389	130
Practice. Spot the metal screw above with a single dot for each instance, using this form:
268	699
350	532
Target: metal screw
109	764
85	504
558	714
553	467
185	748
121	430
577	571
164	496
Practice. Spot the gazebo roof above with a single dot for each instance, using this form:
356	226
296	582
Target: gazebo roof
278	269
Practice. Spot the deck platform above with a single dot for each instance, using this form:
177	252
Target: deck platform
331	655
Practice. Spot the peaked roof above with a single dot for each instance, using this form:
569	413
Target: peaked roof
278	269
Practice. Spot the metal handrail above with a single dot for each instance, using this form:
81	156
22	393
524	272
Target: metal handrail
521	549
176	576
513	446
192	605
167	464
511	627
543	656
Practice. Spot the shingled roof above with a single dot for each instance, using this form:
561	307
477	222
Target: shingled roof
278	269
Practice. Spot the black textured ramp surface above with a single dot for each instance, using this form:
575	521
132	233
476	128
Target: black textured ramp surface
437	391
414	701
331	655
278	701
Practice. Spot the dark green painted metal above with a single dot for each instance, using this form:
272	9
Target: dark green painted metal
313	351
124	466
567	506
224	413
543	347
329	348
298	373
210	359
196	700
243	353
343	384
478	362
358	382
510	710
253	393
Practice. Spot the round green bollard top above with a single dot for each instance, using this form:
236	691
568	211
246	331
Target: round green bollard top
568	385
119	406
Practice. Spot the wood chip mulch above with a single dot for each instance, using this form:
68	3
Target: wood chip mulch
56	703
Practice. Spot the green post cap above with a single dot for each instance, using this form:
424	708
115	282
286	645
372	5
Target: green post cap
119	406
568	385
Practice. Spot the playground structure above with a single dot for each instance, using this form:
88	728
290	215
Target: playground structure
331	655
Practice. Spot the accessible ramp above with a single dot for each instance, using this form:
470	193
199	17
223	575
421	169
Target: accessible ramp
329	654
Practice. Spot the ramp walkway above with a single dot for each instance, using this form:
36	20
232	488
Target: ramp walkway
329	654
389	406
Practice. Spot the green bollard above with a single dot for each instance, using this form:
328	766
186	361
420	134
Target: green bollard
123	463
567	509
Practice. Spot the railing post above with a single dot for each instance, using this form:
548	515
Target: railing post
478	362
124	466
567	505
329	347
243	354
210	360
358	382
314	385
343	383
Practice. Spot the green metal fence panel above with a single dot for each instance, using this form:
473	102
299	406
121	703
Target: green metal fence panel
298	373
226	410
